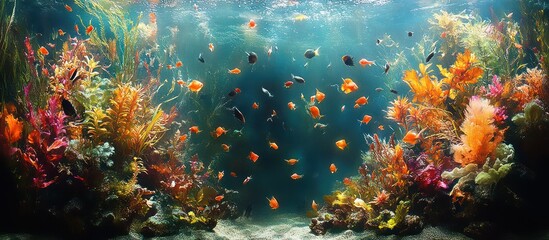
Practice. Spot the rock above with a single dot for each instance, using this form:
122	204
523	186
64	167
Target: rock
412	224
480	230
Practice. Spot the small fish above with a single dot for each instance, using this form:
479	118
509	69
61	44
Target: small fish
266	92
235	71
255	106
68	8
443	34
237	90
314	206
252	57
362	101
194	129
341	144
315	112
329	66
366	119
273	145
218	132
232	93
379	89
238	115
270	51
233	174
412	137
291	161
378	41
381	127
183	138
273	203
225	147
393	91
431	55
288	84
348	60
410	34
347	181
195	86
73	74
333	168
60	32
219	198
76	29
298	79
195	7
320	96
348	86
320	125
181	82
300	17
68	108
211	47
342	108
246	180
386	69
43	51
178	64
89	29
291	106
364	62
152	18
253	157
51	45
252	24
295	176
220	175
200	58
310	53
518	46
306	64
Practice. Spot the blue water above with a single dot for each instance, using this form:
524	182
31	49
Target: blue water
338	28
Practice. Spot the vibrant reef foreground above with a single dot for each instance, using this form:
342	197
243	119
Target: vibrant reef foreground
89	145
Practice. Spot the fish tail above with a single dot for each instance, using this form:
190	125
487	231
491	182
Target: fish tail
317	52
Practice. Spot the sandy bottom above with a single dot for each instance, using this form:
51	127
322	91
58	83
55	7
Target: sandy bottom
296	227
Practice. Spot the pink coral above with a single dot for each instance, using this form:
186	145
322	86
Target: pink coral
480	136
496	88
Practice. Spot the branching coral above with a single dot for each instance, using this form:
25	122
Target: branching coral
480	136
427	89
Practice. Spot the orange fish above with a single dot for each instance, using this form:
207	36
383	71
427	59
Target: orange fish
412	137
363	62
292	161
181	82
218	132
178	64
273	145
315	112
152	17
348	86
234	71
89	29
347	181
252	24
169	67
362	101
195	86
225	147
295	176
341	144
60	32
76	29
380	127
233	174
183	137
45	72
43	51
255	106
219	198
253	157
194	129
237	90
273	203
518	46
211	47
312	101
333	168
220	175
314	206
246	180
366	119
291	106
320	96
443	34
69	9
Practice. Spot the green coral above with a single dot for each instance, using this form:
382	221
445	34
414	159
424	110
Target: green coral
95	93
492	173
102	154
533	115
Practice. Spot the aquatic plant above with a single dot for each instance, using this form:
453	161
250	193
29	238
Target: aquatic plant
427	89
529	86
11	130
480	136
462	73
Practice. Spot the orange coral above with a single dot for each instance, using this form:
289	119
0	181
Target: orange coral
12	129
462	73
528	86
427	89
480	136
399	110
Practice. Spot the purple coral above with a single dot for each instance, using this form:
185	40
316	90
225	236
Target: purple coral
429	179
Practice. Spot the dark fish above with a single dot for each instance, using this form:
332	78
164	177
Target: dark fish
252	58
378	41
431	55
310	53
238	115
232	93
73	75
410	34
379	89
348	60
298	79
68	108
387	66
200	58
394	91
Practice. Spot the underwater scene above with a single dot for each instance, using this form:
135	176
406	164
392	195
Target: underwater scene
282	119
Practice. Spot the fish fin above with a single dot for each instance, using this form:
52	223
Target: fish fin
317	52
